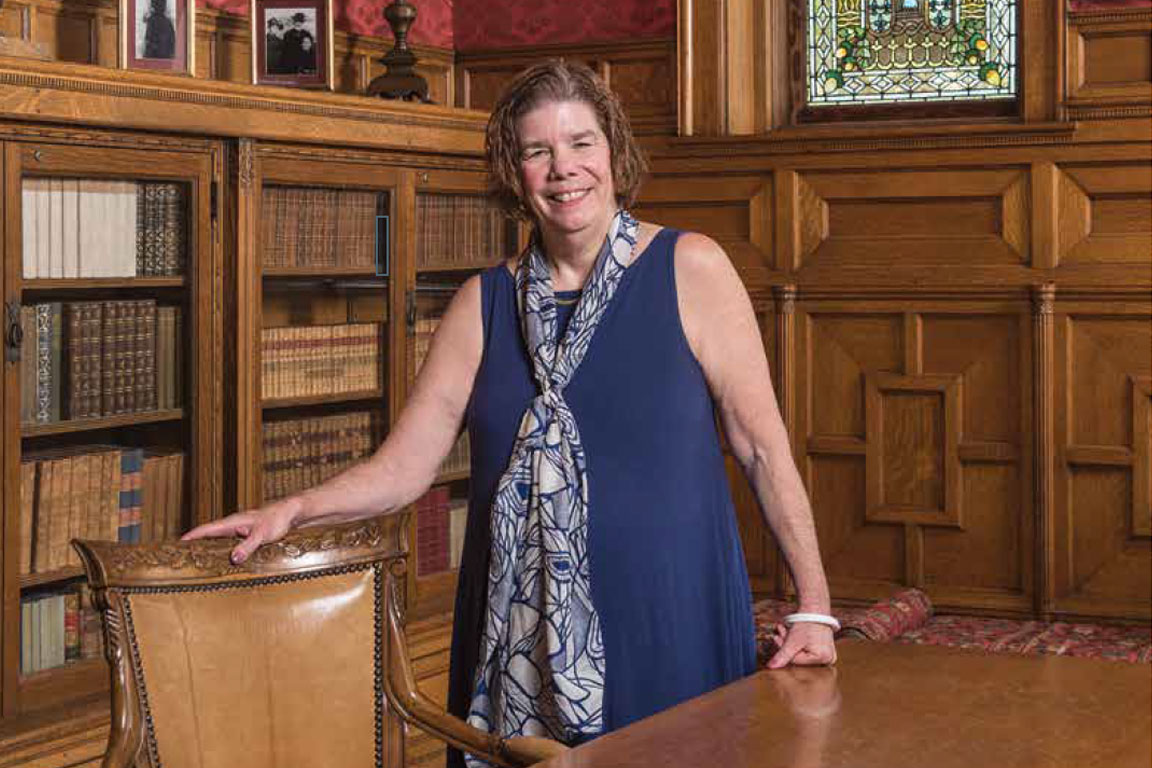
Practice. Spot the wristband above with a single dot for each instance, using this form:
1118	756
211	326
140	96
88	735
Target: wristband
813	618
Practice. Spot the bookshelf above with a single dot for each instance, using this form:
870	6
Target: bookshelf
108	281
456	234
320	311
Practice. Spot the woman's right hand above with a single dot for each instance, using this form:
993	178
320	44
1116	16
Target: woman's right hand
255	526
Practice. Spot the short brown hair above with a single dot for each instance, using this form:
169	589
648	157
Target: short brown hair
558	80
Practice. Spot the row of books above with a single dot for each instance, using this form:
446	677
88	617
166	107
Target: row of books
73	228
300	361
459	459
103	493
301	453
440	524
85	359
459	230
315	227
57	629
422	333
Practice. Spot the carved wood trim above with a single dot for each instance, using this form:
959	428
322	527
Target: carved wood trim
1110	15
865	137
54	91
1044	460
302	551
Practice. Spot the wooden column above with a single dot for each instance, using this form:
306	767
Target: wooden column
1043	301
248	310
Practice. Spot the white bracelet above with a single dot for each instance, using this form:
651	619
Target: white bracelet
813	618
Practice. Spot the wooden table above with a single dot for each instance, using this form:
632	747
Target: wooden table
897	706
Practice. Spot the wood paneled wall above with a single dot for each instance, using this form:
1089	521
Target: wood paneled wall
962	337
959	314
642	73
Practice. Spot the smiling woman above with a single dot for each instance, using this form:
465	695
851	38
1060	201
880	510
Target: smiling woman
600	514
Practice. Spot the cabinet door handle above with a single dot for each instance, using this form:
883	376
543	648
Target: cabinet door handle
14	335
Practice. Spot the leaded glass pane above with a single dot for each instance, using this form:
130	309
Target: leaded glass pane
882	51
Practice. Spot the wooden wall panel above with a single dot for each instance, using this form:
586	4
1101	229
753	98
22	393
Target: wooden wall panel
1104	214
914	454
734	211
1110	63
1102	536
642	73
894	216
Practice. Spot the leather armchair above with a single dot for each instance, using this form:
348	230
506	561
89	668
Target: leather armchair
295	658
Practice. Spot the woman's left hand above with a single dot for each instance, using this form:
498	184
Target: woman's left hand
804	644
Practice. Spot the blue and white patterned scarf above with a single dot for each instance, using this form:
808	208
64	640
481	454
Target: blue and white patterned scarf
541	665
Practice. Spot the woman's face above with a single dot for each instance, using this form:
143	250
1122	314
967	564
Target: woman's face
565	167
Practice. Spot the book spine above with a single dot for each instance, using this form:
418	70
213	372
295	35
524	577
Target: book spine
94	350
110	490
79	504
28	471
76	360
71	626
131	461
28	229
60	526
146	373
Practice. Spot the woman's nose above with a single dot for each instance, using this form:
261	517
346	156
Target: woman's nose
562	164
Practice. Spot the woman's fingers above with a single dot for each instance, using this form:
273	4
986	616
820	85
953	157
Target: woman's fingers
239	524
241	551
805	645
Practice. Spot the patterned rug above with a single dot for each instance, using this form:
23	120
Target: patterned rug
907	617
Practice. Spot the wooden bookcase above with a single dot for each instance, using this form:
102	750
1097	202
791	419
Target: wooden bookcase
458	232
105	247
320	301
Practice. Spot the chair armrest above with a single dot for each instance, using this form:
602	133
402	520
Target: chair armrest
417	709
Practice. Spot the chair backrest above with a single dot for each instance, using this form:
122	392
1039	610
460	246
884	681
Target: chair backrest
278	662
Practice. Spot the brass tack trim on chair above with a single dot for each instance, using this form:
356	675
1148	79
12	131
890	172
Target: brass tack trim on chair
377	657
141	690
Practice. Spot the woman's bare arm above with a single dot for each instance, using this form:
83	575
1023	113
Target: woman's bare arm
405	464
720	325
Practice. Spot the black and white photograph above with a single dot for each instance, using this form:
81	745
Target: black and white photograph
292	43
157	34
156	29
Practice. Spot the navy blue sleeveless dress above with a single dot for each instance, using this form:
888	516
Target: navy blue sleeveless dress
667	568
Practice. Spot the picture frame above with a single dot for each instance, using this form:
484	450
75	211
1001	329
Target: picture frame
158	35
292	43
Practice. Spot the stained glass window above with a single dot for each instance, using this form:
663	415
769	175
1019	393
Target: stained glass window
884	51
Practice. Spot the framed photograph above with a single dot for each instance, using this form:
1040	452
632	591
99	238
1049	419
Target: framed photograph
158	34
292	43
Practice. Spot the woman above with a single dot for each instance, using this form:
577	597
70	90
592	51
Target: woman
602	578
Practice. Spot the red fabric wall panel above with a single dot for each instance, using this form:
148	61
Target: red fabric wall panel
474	25
482	24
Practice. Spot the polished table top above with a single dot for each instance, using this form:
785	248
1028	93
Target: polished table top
890	706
